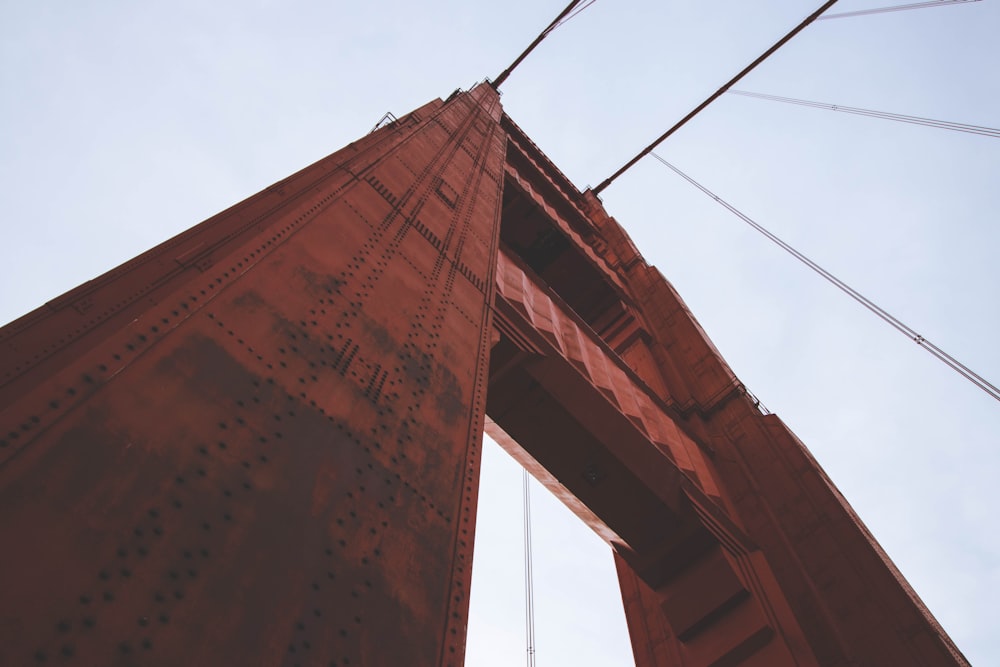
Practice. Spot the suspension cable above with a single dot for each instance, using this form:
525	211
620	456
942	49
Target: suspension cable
880	312
572	16
529	583
915	120
895	8
729	84
564	16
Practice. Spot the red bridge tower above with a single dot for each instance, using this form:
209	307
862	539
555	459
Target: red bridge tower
258	443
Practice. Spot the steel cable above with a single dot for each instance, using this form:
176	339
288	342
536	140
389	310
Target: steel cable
895	8
529	581
570	17
564	16
714	96
880	312
885	115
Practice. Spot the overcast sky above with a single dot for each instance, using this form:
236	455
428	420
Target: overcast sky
124	123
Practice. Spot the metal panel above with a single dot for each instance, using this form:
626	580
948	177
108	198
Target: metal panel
278	462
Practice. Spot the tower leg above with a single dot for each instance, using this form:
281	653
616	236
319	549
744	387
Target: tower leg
271	456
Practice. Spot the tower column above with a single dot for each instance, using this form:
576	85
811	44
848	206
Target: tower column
259	442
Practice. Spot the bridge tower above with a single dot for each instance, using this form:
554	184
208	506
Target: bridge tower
259	442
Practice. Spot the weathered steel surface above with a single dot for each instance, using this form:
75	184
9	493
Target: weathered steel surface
276	462
258	443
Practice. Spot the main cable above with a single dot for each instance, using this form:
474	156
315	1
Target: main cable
558	21
895	8
886	115
729	84
883	314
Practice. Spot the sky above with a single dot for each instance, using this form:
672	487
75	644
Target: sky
123	123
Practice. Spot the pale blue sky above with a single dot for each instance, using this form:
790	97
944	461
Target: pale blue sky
123	123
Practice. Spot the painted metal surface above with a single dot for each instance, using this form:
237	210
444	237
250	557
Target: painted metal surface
258	443
277	461
732	545
574	409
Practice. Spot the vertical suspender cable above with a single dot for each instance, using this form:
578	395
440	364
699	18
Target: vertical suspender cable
529	584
